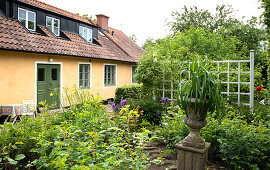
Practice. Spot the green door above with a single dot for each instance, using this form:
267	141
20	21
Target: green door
48	84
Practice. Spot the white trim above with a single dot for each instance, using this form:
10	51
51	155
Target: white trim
104	75
26	18
132	74
53	25
90	75
61	79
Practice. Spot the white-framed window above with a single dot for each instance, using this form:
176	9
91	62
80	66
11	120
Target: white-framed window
84	75
133	71
86	33
110	75
53	24
27	18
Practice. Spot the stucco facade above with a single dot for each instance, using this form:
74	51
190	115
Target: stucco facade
18	72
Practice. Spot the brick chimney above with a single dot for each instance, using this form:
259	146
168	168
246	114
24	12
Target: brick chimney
102	21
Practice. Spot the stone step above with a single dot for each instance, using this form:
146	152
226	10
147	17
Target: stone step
151	152
149	148
165	156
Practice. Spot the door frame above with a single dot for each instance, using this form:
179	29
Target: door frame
60	80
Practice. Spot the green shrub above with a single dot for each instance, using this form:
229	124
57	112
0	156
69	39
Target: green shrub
234	143
151	110
172	129
83	137
126	92
237	144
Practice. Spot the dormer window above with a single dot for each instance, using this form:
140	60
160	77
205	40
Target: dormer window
27	18
53	24
86	33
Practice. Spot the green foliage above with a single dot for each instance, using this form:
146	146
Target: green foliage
165	55
250	34
82	137
266	14
202	86
133	38
127	92
237	144
234	143
151	110
172	129
202	18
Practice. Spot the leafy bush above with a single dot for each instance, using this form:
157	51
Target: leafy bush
234	143
172	129
125	92
83	137
237	144
151	110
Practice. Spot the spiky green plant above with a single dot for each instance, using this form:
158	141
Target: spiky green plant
203	86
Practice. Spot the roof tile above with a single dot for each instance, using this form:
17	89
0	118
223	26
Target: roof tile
113	47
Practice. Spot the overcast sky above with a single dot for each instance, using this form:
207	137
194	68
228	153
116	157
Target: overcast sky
147	18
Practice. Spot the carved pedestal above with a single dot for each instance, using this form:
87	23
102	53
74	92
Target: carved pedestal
191	158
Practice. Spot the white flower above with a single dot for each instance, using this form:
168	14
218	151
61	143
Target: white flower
262	102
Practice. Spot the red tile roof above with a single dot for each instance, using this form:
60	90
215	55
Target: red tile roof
13	36
51	8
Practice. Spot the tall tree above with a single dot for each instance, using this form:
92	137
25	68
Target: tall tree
266	19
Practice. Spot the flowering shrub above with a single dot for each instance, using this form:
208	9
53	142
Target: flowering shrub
151	110
259	88
83	137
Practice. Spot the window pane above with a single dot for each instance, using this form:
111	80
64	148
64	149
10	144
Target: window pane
23	21
81	68
31	25
22	17
86	76
22	14
89	37
133	73
49	21
113	75
56	31
49	27
86	83
41	74
56	23
81	76
85	33
31	16
86	68
81	31
54	73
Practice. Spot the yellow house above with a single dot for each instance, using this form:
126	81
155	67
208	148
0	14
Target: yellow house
44	49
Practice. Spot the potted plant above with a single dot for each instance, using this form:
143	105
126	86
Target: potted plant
197	96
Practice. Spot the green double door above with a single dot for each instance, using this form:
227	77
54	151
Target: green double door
48	84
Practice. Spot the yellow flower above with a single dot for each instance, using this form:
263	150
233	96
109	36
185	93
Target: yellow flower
51	94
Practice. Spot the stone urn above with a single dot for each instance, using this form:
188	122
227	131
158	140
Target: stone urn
195	121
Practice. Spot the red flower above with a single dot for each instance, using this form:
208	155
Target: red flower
259	88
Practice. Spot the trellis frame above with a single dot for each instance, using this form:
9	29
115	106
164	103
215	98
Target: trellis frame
228	82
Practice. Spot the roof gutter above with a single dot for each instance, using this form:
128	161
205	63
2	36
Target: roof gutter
57	54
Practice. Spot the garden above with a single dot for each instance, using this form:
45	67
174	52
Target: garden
86	135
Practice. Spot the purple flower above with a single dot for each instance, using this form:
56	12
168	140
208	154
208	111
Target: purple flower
158	113
113	106
164	100
123	102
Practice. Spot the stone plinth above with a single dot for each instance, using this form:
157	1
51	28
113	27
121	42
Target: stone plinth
190	158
